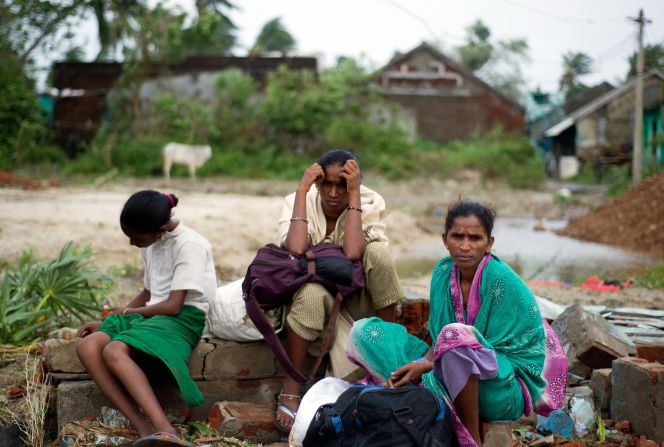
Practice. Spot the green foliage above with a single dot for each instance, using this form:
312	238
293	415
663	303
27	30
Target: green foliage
498	154
477	51
575	65
653	58
298	118
653	277
39	296
140	157
236	110
23	136
497	63
273	37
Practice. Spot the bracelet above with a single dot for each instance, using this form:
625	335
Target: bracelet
299	218
354	208
124	312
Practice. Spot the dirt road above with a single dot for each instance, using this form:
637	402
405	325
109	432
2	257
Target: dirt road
239	216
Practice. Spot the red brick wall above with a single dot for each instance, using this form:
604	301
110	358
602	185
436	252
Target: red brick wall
445	118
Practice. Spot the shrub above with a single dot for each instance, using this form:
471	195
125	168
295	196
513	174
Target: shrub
141	156
39	296
498	154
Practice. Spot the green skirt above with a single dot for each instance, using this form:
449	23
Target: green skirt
168	338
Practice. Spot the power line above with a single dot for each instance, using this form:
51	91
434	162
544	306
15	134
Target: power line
423	21
585	21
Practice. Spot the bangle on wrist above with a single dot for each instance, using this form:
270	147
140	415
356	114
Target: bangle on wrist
354	208
300	219
124	312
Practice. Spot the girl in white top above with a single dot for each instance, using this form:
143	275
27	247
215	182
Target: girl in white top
165	320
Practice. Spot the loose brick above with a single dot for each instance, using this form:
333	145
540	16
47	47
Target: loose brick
653	352
244	420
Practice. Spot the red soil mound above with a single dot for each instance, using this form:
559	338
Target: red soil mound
634	220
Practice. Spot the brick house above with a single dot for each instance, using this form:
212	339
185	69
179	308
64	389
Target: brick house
443	100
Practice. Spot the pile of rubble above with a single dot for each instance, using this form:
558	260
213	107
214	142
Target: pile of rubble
616	373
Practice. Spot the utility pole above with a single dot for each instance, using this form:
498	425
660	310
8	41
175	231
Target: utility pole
637	144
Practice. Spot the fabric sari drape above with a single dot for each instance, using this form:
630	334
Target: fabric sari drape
502	316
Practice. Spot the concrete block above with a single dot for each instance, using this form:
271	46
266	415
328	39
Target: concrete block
246	421
197	359
231	360
60	356
76	400
638	396
653	352
496	434
590	341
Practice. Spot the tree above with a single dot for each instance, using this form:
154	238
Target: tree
478	50
26	25
575	65
653	58
497	63
273	37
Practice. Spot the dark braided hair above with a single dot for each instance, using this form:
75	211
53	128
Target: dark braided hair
147	211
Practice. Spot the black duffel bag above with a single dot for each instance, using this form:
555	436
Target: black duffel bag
376	416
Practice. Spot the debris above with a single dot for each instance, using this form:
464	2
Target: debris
547	440
596	284
558	423
600	383
496	434
590	341
632	220
252	422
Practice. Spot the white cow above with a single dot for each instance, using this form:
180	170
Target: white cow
192	156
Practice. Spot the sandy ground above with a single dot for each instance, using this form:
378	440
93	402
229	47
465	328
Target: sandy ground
239	216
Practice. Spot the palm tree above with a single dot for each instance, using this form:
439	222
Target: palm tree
575	64
273	37
116	21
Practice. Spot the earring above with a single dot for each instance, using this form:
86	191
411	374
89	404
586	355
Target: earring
163	235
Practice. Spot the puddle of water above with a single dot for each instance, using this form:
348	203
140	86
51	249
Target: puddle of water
537	254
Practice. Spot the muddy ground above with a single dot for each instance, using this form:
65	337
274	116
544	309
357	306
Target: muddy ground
239	216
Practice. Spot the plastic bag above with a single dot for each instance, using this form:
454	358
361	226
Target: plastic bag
227	318
583	415
325	391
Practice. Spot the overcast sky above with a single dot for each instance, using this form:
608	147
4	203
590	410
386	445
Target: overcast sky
374	29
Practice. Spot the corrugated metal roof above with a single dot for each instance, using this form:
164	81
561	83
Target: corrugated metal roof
597	103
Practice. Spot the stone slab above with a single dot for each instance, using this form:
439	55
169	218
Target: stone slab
60	356
590	341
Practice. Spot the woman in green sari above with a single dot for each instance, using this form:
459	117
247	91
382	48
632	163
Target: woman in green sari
494	358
